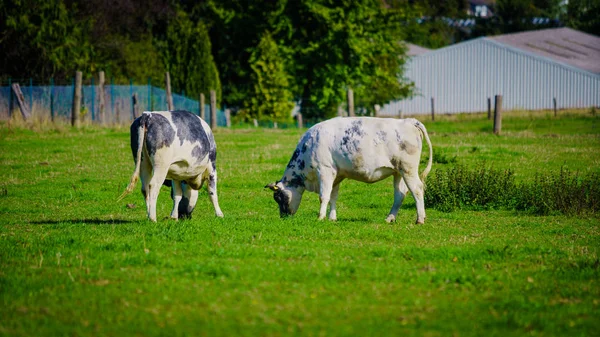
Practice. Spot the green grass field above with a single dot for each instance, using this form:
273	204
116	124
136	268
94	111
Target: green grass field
75	262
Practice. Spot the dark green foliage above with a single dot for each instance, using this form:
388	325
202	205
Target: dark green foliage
560	192
461	187
485	187
186	53
271	99
43	38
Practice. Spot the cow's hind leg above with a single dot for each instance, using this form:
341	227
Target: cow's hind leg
176	195
158	176
400	190
416	188
334	194
212	192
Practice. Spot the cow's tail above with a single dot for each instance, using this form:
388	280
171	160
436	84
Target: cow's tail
138	158
421	127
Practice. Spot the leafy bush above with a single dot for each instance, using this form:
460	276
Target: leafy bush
564	192
460	187
485	187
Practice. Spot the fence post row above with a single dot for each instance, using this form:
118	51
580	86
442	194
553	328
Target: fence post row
300	122
202	111
350	96
213	109
432	109
489	108
52	100
76	99
554	106
21	100
498	115
102	107
169	96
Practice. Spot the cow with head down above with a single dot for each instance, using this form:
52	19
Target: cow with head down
365	149
176	148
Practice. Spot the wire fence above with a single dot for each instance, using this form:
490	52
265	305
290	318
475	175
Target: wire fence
122	103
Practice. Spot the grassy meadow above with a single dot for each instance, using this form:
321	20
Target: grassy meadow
75	262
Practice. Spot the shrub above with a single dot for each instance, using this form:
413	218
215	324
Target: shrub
485	187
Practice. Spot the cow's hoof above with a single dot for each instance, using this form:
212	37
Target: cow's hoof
333	219
219	214
420	222
391	218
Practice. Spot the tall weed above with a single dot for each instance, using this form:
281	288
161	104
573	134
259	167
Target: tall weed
484	187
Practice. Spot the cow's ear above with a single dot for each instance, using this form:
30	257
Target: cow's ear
272	186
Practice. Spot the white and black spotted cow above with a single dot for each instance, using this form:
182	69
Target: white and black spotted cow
177	146
366	149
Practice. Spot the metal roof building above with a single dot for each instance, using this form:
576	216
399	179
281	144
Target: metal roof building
528	69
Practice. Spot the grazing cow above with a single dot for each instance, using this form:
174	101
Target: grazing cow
366	149
178	146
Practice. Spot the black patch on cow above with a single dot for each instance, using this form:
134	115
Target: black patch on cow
304	148
292	163
198	153
382	136
212	184
212	155
189	128
296	181
284	203
398	137
182	209
352	136
160	133
134	135
301	164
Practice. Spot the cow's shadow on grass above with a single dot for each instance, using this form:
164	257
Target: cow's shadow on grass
84	222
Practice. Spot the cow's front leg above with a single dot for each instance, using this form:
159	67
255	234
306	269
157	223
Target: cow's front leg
334	195
176	195
400	190
326	186
212	193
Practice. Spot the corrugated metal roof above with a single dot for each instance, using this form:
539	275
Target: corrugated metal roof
566	45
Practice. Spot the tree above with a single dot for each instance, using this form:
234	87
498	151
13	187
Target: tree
583	15
272	97
186	53
43	39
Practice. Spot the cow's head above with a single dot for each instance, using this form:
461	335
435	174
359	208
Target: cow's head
286	197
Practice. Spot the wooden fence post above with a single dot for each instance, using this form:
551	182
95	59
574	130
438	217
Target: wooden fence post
213	109
228	118
169	95
76	100
300	121
401	114
21	101
255	122
52	99
102	107
350	96
376	109
202	104
498	115
555	107
432	109
489	106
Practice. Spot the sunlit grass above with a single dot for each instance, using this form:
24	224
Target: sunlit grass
73	261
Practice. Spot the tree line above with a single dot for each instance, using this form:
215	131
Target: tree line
259	56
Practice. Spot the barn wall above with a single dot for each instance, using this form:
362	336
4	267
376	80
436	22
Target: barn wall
460	78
